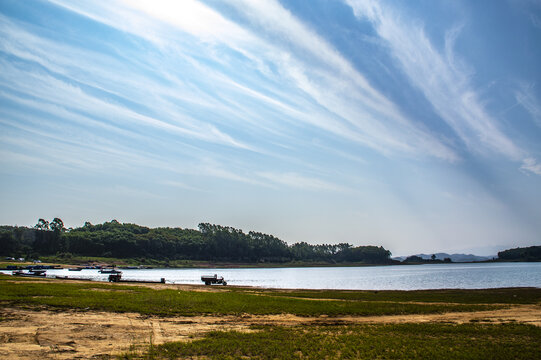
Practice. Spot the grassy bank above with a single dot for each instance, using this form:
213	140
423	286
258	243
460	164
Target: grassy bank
223	301
317	337
395	341
460	296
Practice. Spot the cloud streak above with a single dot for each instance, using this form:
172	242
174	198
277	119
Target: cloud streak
272	111
441	77
353	109
526	97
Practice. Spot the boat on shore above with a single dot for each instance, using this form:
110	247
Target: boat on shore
31	273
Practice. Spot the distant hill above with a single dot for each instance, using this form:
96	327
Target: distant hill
453	257
532	253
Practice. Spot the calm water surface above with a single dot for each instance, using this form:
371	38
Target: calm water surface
398	277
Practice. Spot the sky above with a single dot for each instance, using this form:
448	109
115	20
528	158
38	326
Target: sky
414	125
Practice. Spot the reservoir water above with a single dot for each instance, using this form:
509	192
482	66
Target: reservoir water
396	277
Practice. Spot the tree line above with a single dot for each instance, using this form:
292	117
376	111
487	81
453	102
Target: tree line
531	253
209	243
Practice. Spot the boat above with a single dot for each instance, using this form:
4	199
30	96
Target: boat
75	269
40	273
110	271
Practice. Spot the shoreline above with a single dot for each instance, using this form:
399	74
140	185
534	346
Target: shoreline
232	265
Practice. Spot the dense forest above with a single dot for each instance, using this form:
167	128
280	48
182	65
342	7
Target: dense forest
532	253
209	243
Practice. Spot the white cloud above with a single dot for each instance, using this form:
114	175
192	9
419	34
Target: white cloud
526	98
330	79
531	165
441	76
55	91
442	80
194	18
352	108
299	181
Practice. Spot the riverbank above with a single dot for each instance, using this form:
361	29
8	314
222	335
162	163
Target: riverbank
48	318
74	261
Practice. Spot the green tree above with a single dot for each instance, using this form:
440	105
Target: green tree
42	225
57	225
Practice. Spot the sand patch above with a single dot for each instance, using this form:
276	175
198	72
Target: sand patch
27	334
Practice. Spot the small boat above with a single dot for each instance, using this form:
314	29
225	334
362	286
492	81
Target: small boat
110	271
30	273
75	269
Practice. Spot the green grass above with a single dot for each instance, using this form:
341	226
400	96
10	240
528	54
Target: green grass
6	264
169	302
393	341
398	341
472	296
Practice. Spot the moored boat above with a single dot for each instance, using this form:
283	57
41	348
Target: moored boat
110	271
41	273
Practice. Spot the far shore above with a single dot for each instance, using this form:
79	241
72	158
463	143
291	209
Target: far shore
191	264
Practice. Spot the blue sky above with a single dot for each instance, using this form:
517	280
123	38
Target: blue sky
412	125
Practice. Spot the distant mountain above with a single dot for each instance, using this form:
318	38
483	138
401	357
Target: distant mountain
454	257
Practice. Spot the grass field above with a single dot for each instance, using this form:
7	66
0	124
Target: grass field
222	301
474	296
397	341
328	331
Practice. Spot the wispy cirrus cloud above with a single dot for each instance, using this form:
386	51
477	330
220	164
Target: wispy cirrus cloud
234	110
322	80
299	181
441	76
335	84
531	165
526	98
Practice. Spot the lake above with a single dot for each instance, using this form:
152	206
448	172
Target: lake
396	277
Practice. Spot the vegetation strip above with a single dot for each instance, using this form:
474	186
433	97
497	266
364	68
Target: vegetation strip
321	329
394	341
171	302
460	296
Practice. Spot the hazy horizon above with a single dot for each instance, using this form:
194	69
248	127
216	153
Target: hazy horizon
414	125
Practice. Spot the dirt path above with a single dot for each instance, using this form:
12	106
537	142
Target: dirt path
44	334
